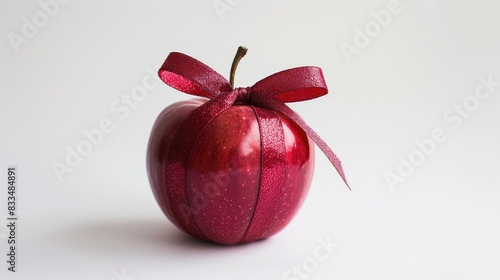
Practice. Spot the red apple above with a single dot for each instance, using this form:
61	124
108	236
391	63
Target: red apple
236	168
223	174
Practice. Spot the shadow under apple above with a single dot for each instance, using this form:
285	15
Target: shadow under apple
148	237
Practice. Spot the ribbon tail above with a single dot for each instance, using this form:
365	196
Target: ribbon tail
271	103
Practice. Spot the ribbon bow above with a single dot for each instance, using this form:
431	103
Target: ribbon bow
191	76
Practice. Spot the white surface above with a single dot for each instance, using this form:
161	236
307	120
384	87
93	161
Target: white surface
101	220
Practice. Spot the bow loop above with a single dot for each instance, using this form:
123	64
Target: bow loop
292	85
191	76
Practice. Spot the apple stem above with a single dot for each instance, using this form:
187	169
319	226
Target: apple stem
239	55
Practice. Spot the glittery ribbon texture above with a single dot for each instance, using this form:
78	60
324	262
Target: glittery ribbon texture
177	195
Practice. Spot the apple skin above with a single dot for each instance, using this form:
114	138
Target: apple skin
224	174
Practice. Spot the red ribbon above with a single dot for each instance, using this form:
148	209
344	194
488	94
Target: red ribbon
191	76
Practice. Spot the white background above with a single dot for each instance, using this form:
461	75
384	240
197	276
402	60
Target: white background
101	220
